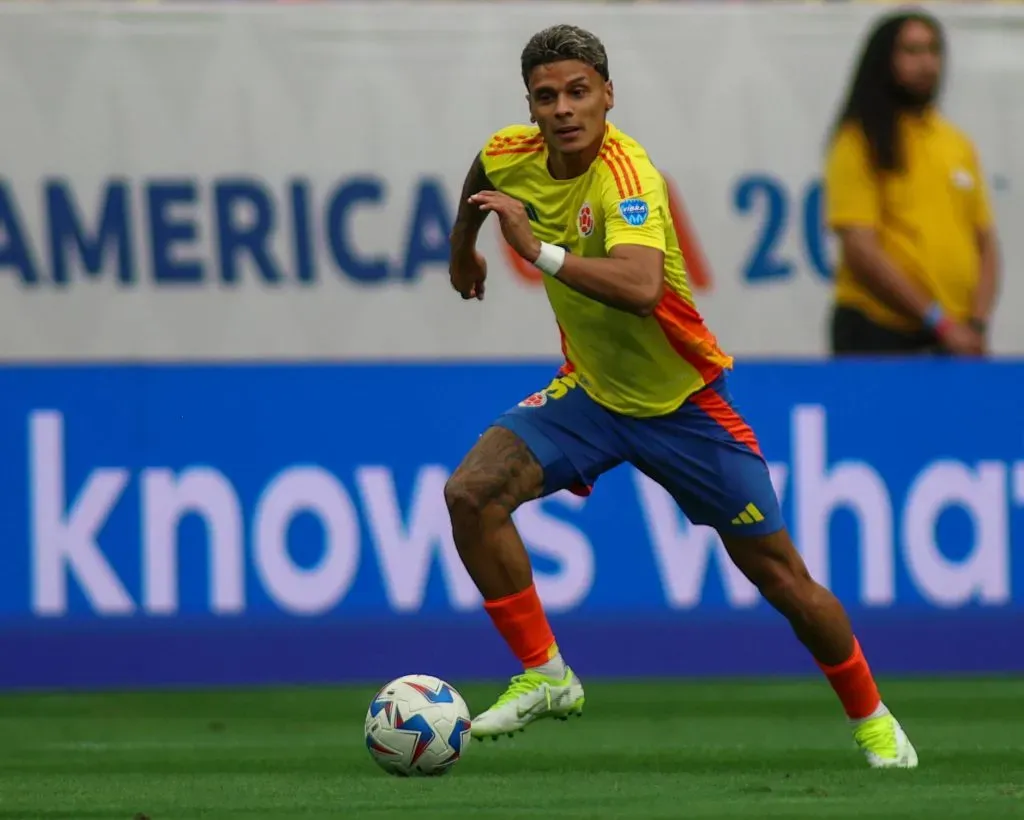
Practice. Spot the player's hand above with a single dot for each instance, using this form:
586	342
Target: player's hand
515	224
962	340
468	271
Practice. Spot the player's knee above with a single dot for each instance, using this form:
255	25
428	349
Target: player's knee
461	498
786	585
782	589
793	593
497	475
472	500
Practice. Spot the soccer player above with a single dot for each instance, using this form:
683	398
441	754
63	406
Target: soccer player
644	382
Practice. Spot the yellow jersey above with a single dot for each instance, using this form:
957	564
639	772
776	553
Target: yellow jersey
927	216
633	365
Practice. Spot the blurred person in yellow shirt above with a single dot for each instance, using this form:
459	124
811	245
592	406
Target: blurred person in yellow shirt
907	198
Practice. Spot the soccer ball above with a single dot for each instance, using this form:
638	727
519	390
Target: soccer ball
417	725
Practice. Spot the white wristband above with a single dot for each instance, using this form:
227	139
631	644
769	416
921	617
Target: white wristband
551	259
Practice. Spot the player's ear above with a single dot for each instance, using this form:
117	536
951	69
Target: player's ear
529	105
609	93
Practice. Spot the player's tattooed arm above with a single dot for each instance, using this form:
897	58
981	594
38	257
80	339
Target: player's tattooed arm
470	218
467	268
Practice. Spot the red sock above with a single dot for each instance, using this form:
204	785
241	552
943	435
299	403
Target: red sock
522	623
854	684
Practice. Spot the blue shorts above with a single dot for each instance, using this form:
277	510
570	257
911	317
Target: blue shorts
704	454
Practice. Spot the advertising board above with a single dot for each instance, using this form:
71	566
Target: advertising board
263	522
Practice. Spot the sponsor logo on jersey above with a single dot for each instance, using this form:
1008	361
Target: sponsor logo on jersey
634	211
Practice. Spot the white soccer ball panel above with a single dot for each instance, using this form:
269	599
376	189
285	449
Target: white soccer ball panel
417	725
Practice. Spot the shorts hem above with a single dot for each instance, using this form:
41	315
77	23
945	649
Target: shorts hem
543	449
750	530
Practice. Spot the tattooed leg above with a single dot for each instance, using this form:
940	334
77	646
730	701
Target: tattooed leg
497	475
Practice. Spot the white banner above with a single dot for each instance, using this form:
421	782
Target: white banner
229	182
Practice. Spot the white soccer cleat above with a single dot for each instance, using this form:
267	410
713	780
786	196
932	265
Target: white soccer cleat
885	744
529	697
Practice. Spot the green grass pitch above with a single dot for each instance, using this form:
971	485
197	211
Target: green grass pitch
776	749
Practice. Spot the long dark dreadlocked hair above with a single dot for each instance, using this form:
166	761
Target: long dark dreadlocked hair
875	99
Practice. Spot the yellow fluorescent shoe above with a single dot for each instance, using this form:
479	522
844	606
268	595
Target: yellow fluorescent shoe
529	697
884	743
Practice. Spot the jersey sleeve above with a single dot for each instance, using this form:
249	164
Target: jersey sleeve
853	194
507	147
633	200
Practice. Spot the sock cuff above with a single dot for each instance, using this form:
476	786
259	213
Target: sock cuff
850	662
521	621
515	601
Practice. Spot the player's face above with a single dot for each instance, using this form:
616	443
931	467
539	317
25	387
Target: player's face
569	101
917	61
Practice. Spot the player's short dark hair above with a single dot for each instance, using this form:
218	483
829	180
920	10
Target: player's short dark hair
564	42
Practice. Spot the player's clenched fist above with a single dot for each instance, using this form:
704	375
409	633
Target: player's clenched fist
515	224
468	270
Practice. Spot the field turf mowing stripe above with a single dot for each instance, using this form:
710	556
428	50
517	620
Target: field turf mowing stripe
646	750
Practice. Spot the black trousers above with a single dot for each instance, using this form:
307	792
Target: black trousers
854	334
